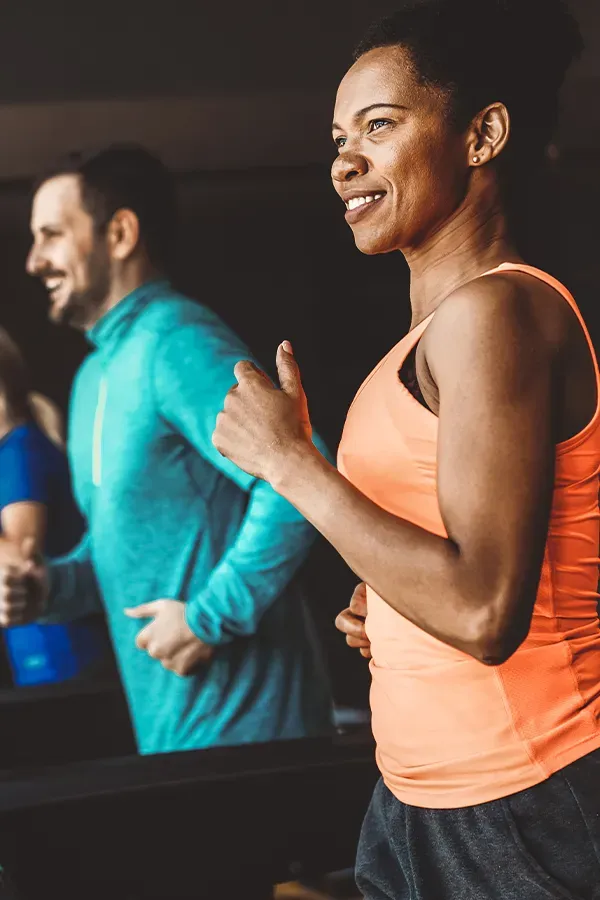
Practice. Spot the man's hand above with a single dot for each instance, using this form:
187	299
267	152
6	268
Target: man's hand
168	637
23	587
351	621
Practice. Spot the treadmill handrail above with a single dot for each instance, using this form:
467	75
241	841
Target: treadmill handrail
99	778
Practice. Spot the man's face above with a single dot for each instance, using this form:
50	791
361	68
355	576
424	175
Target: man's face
68	254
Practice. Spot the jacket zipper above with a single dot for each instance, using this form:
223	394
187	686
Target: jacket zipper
97	436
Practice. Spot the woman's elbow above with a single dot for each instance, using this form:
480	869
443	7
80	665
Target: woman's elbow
495	636
496	653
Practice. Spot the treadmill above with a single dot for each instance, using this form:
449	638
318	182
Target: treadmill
200	825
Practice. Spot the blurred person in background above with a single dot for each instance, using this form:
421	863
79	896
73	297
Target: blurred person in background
38	516
49	417
193	560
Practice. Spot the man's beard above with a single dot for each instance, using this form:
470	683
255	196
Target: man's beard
84	308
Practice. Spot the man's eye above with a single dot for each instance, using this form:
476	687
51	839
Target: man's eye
339	142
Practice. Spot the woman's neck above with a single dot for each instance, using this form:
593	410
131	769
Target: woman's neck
7	425
472	242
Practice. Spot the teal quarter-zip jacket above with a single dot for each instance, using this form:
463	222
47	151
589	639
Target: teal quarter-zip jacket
169	517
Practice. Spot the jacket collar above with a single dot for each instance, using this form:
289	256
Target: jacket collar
111	328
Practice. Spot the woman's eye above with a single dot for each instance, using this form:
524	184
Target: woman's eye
339	142
376	124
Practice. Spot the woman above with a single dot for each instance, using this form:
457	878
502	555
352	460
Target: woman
47	415
37	515
467	496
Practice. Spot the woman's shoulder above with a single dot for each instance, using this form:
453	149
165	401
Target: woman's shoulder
28	440
505	308
33	469
49	418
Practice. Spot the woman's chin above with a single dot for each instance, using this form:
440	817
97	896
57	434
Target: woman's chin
373	244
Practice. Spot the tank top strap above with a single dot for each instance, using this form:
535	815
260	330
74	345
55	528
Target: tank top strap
398	353
562	290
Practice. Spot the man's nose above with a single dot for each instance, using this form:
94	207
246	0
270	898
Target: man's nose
33	263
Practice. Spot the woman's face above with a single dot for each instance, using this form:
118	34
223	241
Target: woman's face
402	168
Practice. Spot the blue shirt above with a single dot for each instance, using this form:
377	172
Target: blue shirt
33	469
169	517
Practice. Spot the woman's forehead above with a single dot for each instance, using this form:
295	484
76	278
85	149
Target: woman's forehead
383	76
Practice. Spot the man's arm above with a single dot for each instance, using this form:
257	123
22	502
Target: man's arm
73	591
30	592
193	372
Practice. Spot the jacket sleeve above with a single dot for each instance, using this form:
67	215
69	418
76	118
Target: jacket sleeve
193	373
73	591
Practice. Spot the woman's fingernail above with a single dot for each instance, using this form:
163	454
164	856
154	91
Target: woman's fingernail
287	347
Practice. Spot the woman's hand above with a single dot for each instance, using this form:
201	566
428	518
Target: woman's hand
351	621
262	429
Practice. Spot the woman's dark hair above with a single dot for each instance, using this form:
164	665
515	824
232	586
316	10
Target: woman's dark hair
14	379
126	176
515	52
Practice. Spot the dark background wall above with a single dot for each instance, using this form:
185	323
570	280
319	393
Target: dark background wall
237	98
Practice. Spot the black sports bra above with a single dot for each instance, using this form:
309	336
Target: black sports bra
408	376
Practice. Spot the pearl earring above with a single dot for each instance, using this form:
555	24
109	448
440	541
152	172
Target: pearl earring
475	159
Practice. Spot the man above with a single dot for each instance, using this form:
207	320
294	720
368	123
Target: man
193	559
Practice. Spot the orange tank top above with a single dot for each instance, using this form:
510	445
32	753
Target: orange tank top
450	731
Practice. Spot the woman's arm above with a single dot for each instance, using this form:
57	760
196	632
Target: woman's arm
21	524
474	590
24	497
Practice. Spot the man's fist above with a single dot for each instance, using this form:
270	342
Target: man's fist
168	638
23	587
351	621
